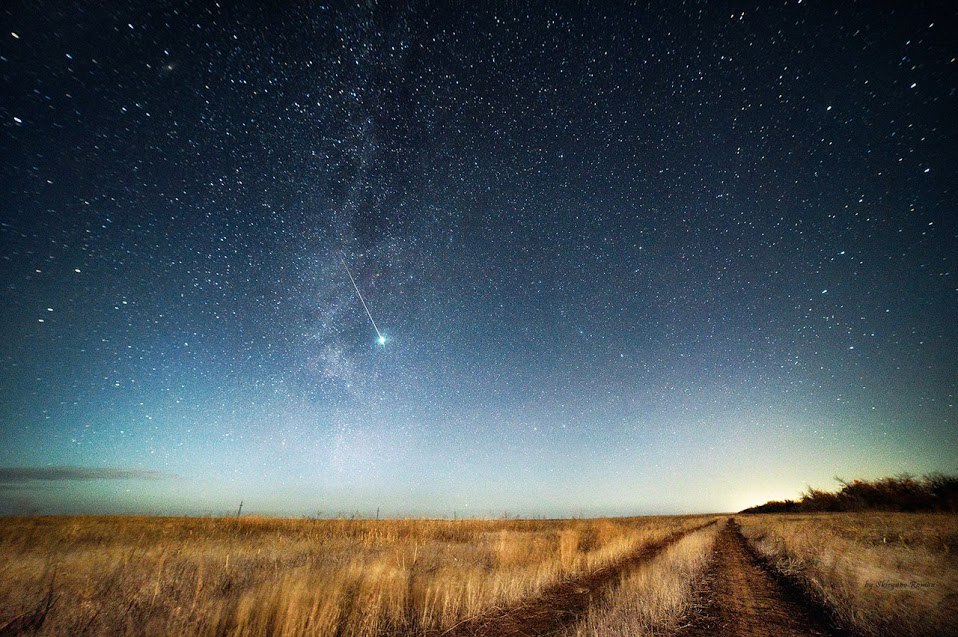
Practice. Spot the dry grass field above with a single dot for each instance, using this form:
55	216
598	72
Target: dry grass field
261	576
879	573
867	573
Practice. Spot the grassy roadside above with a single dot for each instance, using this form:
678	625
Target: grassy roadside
878	573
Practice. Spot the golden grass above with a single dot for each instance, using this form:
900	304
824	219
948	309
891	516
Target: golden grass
880	573
654	598
264	576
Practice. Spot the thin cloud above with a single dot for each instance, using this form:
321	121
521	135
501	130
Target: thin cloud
21	475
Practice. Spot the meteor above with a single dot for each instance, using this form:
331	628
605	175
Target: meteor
382	339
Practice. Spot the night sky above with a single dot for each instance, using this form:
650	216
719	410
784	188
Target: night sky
633	259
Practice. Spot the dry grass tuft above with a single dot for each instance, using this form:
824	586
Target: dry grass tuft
653	599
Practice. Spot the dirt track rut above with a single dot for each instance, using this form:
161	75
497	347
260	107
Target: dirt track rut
743	599
563	604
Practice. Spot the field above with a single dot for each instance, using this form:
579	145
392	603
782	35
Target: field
865	574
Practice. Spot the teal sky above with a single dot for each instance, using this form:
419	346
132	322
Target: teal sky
653	260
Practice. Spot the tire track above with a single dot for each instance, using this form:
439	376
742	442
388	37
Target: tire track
564	603
746	599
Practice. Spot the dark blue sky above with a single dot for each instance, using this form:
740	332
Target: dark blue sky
677	257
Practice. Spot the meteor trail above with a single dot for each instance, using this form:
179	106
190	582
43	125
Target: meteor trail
382	339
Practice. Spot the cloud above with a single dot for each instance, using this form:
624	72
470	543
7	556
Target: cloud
21	475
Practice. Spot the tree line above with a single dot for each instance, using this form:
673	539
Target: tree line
932	492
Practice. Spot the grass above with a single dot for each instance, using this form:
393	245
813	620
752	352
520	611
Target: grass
879	573
264	576
653	599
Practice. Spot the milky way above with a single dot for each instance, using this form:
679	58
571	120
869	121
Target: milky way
646	259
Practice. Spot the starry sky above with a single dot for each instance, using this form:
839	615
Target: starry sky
634	258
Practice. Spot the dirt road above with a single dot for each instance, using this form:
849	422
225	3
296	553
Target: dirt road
743	599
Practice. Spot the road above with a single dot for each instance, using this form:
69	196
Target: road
743	598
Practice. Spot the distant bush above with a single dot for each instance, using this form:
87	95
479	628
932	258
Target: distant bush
934	492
